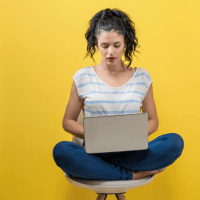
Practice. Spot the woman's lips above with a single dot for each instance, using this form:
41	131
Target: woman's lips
111	59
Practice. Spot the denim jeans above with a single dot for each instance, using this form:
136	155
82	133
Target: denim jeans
161	152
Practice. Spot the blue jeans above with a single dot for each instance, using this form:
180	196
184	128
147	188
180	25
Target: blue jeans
161	152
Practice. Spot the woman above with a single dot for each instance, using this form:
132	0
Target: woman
113	33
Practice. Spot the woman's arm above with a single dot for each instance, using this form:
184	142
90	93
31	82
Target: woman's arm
150	108
72	112
73	127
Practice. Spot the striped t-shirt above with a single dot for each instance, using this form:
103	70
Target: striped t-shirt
101	99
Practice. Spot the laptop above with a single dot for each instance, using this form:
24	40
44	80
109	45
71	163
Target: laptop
114	133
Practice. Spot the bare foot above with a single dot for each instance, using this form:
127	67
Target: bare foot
101	197
143	174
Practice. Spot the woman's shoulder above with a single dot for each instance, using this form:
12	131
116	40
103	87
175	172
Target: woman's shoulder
83	70
143	70
143	74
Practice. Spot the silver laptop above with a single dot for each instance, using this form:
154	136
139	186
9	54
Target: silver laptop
115	133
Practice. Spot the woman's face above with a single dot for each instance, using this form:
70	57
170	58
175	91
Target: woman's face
111	44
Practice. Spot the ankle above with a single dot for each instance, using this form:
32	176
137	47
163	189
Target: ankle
134	175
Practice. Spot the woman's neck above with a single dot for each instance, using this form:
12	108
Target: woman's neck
112	69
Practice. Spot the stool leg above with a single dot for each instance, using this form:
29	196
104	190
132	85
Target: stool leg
98	197
117	196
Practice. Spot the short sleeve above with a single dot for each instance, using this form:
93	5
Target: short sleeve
77	80
147	80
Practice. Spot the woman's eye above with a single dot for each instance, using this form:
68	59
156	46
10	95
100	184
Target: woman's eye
115	46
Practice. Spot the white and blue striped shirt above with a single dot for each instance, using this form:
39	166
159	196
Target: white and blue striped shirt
101	99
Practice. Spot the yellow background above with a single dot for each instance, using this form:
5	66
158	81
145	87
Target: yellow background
43	45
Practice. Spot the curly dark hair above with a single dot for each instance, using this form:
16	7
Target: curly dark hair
112	20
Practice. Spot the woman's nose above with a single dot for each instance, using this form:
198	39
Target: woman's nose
110	51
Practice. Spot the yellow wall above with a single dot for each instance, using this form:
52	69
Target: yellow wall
43	45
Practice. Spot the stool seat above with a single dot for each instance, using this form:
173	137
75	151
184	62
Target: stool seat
108	186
